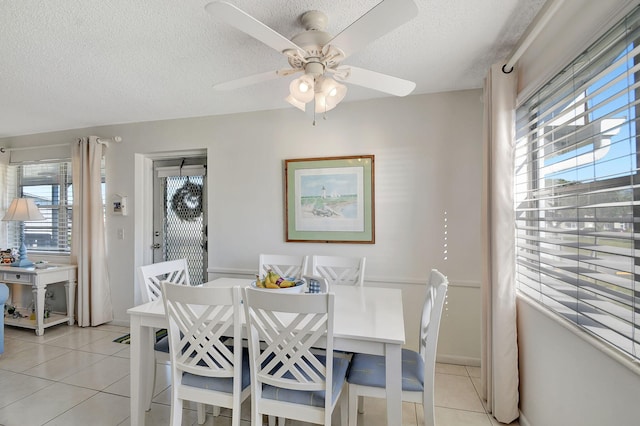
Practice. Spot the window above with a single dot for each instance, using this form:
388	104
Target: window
577	190
50	185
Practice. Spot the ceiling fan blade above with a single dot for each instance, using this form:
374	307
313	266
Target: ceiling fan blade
248	81
383	18
250	25
380	82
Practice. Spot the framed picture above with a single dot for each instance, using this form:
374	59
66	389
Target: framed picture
330	200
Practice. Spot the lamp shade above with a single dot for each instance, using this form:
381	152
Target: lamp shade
293	101
329	93
22	209
301	89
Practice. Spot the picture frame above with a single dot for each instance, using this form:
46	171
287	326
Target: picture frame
330	199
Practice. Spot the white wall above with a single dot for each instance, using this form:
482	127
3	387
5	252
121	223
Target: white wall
427	167
564	380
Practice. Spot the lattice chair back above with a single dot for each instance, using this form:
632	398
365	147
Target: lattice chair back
205	367
367	373
150	277
284	265
288	378
432	310
339	270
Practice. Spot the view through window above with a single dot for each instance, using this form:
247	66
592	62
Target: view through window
50	185
577	190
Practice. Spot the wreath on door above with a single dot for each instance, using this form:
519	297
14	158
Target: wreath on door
187	201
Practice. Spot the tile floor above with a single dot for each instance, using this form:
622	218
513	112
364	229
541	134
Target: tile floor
79	376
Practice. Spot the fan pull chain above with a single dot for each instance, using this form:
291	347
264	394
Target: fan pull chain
314	110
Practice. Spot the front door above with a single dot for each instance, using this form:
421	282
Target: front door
180	214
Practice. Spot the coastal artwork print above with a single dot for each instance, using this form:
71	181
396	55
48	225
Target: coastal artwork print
330	199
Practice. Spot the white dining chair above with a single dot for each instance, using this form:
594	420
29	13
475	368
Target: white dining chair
283	264
150	278
287	379
367	373
339	270
204	368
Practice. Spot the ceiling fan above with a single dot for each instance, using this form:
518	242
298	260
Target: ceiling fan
319	56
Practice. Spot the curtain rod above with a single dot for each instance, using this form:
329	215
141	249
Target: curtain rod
536	27
104	141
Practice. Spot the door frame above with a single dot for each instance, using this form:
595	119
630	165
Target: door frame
142	207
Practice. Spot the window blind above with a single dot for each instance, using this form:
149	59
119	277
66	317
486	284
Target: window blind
49	184
577	190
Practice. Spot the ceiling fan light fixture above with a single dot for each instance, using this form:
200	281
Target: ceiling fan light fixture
331	92
330	97
302	89
316	53
300	105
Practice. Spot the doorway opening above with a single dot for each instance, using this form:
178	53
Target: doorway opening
180	213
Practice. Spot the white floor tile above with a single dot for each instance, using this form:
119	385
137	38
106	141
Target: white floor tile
76	376
451	417
105	345
44	405
458	370
16	386
12	345
82	337
473	371
125	352
30	356
121	387
64	366
101	374
102	409
456	392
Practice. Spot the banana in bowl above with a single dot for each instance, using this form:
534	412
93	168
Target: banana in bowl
274	282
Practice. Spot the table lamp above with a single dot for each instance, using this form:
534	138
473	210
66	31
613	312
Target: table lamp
22	209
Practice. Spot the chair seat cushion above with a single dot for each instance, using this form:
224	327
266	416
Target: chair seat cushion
162	345
219	384
369	370
312	398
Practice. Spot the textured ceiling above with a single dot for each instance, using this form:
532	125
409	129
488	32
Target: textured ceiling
68	64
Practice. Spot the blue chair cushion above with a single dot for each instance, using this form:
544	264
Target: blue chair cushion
369	370
312	398
162	345
219	384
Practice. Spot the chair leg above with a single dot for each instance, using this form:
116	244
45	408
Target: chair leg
429	415
216	411
344	408
353	405
151	384
361	404
281	421
176	412
202	413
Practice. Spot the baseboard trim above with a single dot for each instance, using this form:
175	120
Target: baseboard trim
523	420
458	360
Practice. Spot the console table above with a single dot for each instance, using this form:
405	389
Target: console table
39	279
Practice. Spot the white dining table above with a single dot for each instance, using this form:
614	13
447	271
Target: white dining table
367	320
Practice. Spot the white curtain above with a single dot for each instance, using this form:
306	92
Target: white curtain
499	339
88	247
